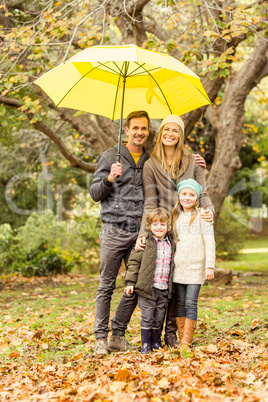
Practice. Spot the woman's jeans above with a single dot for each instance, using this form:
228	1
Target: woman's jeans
187	300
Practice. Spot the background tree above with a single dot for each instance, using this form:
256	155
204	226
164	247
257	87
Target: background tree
223	41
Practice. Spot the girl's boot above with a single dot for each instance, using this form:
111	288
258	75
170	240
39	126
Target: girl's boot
180	325
155	339
146	341
188	334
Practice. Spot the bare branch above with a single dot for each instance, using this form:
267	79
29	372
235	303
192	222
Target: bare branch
140	4
73	160
81	23
43	128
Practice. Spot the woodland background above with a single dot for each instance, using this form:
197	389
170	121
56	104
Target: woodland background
49	226
48	154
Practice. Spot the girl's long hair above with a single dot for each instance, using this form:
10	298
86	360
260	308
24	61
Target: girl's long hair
180	157
177	210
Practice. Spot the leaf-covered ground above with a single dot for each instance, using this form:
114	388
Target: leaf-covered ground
47	341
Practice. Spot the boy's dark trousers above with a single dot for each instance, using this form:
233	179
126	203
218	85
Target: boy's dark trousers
153	309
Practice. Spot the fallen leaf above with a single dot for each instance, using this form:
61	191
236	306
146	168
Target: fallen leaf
125	375
117	386
14	354
211	348
250	378
4	346
163	383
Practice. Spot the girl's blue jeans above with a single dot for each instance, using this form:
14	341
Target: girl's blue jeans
187	300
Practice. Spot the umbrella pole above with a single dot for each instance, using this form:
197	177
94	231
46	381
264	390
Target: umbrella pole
121	120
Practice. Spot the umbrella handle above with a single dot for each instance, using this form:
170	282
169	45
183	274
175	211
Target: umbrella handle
118	158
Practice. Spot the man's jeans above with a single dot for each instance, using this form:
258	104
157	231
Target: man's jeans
115	246
187	300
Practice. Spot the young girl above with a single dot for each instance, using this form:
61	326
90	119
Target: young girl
194	257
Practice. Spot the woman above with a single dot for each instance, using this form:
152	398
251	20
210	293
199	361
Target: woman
169	164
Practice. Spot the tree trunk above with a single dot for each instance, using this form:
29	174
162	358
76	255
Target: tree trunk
228	120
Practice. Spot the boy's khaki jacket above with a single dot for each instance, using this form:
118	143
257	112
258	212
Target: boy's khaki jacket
141	267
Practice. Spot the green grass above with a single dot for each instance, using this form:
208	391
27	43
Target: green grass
235	311
250	261
246	262
62	313
48	322
256	241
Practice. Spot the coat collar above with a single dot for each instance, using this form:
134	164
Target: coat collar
169	236
159	167
127	155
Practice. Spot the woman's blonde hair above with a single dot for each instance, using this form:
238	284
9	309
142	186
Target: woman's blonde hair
160	214
181	154
177	211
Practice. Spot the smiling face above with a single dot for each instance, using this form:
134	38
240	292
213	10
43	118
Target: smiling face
137	133
188	198
171	134
159	228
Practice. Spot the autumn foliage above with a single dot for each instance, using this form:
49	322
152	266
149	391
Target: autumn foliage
47	347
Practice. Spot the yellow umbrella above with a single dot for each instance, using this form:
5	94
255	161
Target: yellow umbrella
113	81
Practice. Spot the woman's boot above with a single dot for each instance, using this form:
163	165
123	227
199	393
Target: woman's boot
146	341
188	334
180	325
155	339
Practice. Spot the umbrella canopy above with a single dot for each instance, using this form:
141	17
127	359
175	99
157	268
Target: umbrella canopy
113	81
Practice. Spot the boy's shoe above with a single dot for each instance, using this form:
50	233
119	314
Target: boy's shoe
101	348
119	342
155	339
146	341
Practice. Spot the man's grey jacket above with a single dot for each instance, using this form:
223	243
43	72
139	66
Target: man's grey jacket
122	201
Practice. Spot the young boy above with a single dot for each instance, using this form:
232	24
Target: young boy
150	274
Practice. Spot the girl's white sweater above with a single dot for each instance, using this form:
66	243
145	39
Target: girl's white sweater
195	250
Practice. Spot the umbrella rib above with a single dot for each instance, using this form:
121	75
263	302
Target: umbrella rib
159	88
134	75
119	69
117	89
205	95
115	99
109	68
132	72
94	68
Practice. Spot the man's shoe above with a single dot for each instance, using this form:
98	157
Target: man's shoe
171	340
119	342
101	348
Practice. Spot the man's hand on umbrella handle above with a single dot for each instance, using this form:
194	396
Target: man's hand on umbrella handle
140	243
116	171
208	216
200	160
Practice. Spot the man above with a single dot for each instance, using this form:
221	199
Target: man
119	188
